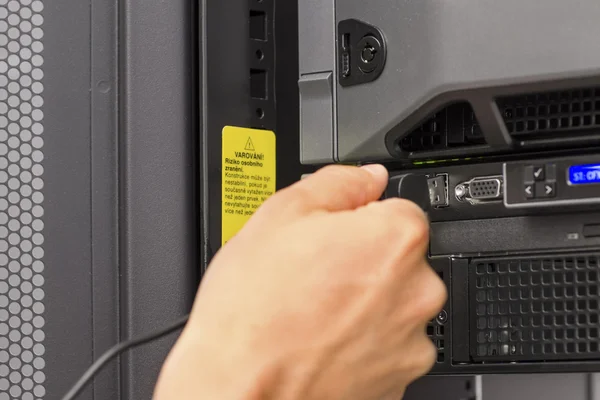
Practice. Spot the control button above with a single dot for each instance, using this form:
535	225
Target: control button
538	173
528	177
545	189
529	194
550	173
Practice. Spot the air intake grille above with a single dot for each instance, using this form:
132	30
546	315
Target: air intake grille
453	126
548	114
436	331
535	309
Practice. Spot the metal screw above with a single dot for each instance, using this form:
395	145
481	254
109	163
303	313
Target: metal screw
460	191
442	317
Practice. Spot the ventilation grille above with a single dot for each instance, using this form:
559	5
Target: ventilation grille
535	309
436	331
550	114
452	127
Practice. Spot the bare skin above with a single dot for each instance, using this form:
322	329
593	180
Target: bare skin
325	294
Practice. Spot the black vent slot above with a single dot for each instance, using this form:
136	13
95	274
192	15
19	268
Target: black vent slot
535	309
452	127
552	114
436	331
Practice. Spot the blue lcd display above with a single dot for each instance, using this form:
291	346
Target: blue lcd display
584	174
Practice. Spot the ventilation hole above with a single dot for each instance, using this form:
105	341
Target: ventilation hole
258	84
552	113
452	127
429	330
520	112
258	25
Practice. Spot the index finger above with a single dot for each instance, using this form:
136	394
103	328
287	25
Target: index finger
336	188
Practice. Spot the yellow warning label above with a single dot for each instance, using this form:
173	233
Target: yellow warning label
248	175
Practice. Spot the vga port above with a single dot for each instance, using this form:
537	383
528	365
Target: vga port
481	189
485	189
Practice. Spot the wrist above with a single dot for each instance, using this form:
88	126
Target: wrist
195	370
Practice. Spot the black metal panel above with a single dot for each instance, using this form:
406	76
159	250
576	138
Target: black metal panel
157	192
104	190
228	100
443	388
68	252
459	296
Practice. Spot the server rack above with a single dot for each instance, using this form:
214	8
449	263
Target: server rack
135	96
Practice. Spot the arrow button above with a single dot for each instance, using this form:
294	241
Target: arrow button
529	194
547	190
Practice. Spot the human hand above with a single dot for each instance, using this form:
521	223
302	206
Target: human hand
325	294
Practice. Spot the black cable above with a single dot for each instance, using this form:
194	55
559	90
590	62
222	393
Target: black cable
118	349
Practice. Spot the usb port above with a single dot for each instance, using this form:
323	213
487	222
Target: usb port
345	41
438	191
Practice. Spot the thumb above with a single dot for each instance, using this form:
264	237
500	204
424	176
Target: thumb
336	188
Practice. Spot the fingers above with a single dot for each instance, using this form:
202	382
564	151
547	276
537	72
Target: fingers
423	358
431	297
335	188
402	224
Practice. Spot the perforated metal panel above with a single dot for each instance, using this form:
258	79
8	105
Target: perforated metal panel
21	200
535	309
547	114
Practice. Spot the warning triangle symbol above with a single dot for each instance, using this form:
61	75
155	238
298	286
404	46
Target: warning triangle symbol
249	145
